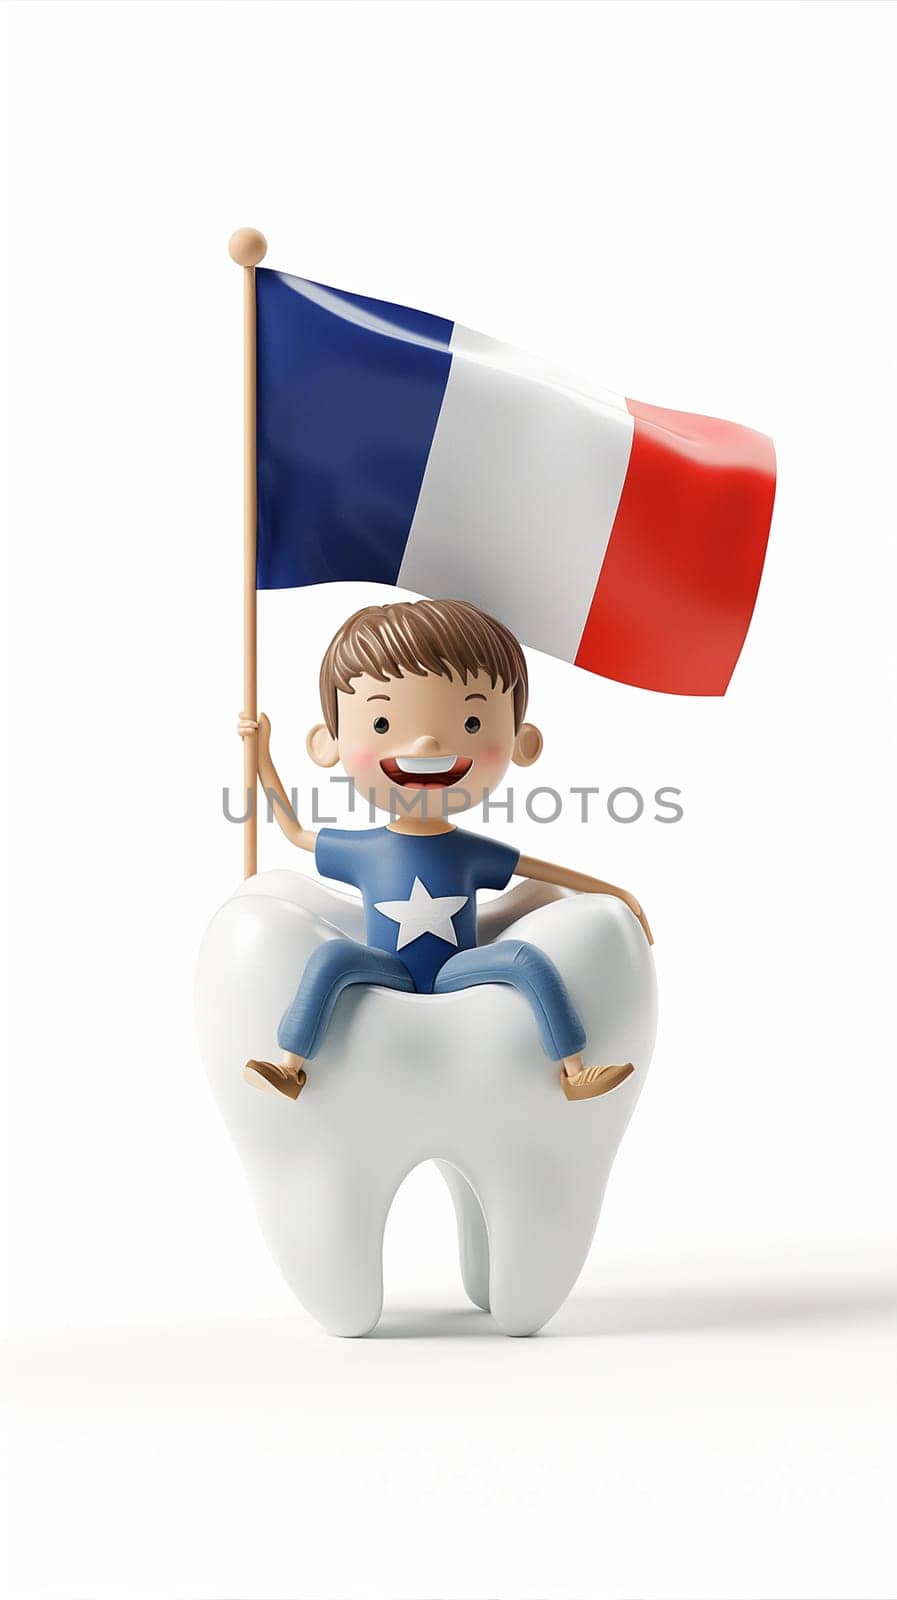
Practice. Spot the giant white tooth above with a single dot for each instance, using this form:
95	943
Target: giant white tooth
460	1079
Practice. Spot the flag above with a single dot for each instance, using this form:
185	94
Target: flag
400	448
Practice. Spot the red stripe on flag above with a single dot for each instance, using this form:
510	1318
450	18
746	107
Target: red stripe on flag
680	576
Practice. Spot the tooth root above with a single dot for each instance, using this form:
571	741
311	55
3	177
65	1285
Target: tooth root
326	1234
540	1230
473	1240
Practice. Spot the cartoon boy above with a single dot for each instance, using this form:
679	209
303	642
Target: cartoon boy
424	702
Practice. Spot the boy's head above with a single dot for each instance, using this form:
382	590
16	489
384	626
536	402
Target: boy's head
424	698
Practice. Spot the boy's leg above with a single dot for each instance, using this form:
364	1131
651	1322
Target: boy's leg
535	975
330	969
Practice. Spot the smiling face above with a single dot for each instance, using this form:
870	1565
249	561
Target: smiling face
425	745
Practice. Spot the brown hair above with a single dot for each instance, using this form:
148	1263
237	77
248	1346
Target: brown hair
421	636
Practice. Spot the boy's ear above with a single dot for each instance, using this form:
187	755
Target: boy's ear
527	745
321	746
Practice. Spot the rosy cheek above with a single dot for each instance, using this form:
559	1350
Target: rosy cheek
493	753
360	760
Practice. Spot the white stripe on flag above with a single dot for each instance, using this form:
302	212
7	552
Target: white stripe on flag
521	489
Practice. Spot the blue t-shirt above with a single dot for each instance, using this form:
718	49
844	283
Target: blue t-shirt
419	892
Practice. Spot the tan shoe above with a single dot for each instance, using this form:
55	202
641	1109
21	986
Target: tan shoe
269	1075
591	1081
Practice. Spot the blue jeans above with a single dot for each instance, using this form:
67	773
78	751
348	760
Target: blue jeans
341	962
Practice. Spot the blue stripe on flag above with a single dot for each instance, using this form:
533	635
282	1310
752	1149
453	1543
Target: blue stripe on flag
349	394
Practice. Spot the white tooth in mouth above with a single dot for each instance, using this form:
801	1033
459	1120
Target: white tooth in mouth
526	1168
421	765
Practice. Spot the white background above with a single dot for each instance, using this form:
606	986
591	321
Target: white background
695	206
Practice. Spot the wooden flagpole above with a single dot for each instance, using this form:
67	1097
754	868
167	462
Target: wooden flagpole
247	247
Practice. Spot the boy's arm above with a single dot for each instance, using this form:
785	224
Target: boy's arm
547	872
290	825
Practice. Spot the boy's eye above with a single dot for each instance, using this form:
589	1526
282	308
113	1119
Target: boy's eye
381	725
472	725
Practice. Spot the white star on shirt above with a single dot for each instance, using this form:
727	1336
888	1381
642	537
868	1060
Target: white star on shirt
423	913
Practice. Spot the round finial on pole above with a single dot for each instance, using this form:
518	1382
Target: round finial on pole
247	247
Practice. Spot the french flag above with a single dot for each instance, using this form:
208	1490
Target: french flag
400	448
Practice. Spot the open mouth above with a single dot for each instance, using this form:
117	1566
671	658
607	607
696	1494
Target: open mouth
425	772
